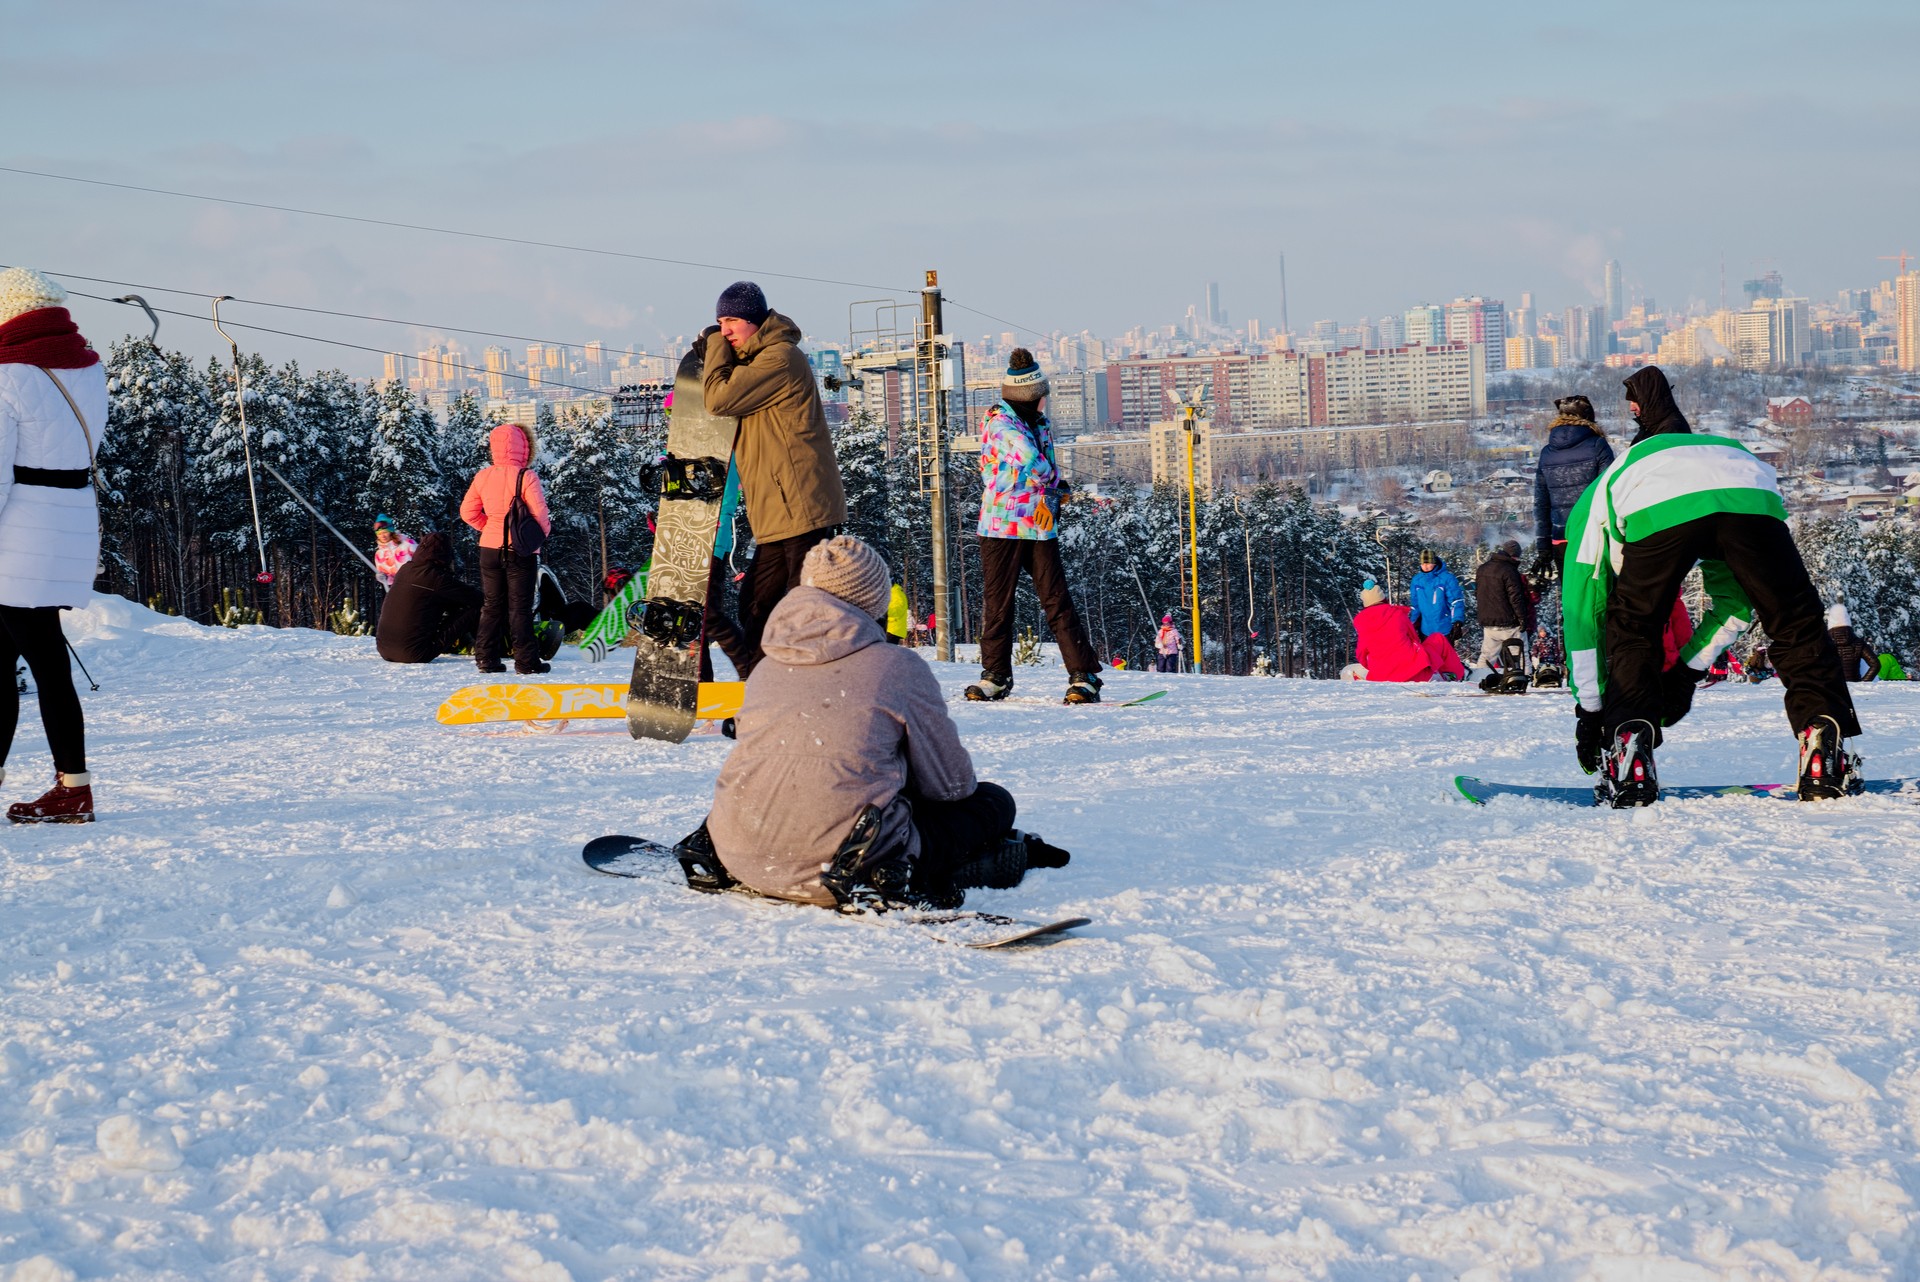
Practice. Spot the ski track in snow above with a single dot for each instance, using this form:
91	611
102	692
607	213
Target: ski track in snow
327	993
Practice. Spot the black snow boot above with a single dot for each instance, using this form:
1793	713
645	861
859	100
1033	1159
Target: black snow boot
1082	687
1627	776
990	688
1042	855
1827	768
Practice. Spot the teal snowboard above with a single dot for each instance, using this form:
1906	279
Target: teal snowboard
1479	791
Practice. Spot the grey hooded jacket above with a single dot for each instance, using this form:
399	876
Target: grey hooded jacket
834	720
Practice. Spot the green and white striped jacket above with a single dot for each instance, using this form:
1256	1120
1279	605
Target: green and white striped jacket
1661	482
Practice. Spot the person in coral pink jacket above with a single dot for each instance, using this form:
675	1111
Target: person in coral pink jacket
1386	644
506	577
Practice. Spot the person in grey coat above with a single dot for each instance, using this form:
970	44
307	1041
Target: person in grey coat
835	721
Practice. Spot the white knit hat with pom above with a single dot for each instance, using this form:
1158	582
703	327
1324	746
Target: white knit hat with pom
24	290
850	570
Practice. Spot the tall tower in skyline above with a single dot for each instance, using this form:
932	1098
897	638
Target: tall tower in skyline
1214	315
1616	291
1906	319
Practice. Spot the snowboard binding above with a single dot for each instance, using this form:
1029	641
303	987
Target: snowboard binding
1627	776
1828	770
700	863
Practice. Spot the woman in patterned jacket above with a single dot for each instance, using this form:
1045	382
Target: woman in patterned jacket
1021	496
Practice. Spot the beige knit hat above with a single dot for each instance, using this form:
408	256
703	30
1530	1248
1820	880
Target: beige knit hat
850	570
24	290
1371	593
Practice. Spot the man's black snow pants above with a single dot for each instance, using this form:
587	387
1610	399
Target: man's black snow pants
1001	561
1760	554
773	572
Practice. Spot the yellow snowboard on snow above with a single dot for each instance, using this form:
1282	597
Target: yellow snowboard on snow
477	705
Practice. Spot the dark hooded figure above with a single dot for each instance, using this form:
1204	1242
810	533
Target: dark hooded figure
1657	413
428	610
1575	453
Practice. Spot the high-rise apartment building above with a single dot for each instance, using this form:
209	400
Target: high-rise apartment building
1906	320
1214	315
393	369
1616	292
1482	321
1423	326
1393	331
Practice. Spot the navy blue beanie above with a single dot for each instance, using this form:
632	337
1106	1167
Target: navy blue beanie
744	300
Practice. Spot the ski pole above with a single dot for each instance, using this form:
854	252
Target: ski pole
91	683
240	399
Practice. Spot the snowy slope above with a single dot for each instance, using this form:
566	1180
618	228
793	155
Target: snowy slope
328	994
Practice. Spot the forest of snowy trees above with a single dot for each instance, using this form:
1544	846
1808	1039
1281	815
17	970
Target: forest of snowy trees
1279	575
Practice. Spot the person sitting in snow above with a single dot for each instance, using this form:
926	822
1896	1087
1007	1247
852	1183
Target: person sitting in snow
848	771
1387	646
1435	597
1673	500
429	610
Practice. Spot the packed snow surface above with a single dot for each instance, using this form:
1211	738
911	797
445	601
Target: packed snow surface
327	993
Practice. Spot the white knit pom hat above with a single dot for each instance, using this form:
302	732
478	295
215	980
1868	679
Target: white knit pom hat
850	570
24	290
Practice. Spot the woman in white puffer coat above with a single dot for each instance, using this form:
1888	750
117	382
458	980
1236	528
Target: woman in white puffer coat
53	409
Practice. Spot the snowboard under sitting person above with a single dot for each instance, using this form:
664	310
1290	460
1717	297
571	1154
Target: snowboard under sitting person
1672	500
841	731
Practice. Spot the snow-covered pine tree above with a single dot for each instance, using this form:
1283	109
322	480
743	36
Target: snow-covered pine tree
404	479
158	407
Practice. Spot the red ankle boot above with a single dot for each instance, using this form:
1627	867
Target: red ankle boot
69	801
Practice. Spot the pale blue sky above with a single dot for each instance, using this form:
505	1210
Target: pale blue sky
1064	164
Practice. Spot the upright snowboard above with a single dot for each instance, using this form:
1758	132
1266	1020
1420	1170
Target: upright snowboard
665	691
638	857
1479	791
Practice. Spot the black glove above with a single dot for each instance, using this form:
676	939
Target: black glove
1588	739
1676	693
1453	633
1544	570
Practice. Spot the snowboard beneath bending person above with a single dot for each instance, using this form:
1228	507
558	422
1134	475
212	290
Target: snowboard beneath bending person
1673	500
1481	791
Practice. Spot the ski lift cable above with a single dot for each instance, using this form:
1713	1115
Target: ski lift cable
325	311
361	347
442	231
246	446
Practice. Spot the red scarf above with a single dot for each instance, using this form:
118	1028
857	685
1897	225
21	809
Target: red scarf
47	337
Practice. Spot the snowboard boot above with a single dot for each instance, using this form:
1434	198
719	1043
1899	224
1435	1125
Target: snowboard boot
69	801
1627	776
1082	687
533	669
990	688
489	665
1827	768
1042	855
998	865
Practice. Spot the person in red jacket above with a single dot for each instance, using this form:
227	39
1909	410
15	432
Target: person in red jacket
1386	644
506	577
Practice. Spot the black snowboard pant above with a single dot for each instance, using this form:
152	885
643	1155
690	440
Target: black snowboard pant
506	579
1760	554
720	627
33	634
458	625
952	832
773	572
1001	561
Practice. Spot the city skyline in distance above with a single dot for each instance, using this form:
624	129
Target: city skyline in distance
1419	158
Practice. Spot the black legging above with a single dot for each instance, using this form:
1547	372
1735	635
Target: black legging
952	832
33	633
